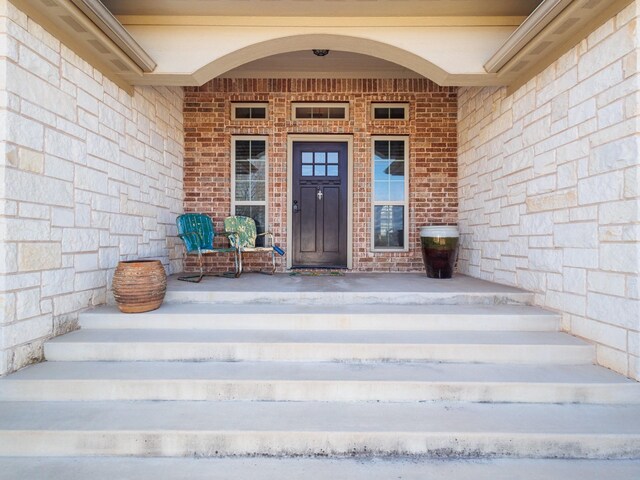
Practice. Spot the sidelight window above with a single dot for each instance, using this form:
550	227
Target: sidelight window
390	194
250	173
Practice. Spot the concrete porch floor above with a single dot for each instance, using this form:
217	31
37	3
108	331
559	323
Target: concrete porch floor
353	282
348	288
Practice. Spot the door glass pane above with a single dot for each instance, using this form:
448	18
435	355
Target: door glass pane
320	171
307	157
388	226
320	157
332	157
332	171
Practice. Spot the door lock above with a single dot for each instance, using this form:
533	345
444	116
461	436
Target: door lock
295	206
319	194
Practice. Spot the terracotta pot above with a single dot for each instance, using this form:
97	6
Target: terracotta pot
139	285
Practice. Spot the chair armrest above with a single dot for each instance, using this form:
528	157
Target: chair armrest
266	234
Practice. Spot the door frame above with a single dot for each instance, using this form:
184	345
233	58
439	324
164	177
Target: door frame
348	139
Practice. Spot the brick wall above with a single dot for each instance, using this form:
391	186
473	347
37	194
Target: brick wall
432	151
91	176
549	189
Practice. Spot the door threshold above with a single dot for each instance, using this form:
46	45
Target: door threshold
303	267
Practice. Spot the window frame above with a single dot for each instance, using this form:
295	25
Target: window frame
404	106
236	105
404	203
249	203
296	105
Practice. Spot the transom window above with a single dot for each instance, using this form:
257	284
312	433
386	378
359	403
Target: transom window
249	111
319	164
390	193
390	111
320	111
249	185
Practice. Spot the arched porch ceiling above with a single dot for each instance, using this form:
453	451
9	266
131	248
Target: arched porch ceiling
193	55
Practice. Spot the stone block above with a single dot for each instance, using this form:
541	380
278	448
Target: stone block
39	256
620	257
603	333
26	230
619	212
27	303
619	311
607	283
615	155
601	188
56	282
31	160
576	235
75	240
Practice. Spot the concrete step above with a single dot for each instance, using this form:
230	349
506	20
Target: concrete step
397	289
211	429
327	317
100	468
328	345
299	381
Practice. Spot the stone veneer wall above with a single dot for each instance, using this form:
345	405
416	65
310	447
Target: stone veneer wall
93	176
431	129
549	189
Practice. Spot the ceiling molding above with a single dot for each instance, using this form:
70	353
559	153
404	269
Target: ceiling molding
212	21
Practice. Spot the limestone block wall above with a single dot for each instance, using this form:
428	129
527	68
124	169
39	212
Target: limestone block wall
93	176
549	181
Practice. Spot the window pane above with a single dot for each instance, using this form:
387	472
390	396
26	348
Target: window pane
332	170
381	192
307	157
332	157
380	113
243	170
320	112
382	170
258	112
242	149
396	150
396	113
257	212
337	112
381	148
396	191
307	170
320	171
304	112
388	226
258	148
243	112
320	157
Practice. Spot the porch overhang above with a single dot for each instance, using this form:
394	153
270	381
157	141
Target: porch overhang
187	44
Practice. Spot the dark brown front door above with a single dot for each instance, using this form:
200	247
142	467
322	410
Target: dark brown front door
319	204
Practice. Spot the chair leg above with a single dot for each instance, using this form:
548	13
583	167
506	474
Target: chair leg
192	278
273	262
239	270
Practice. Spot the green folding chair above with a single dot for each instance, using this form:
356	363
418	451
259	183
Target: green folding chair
242	235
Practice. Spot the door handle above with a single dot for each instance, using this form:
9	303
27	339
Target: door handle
296	209
319	194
